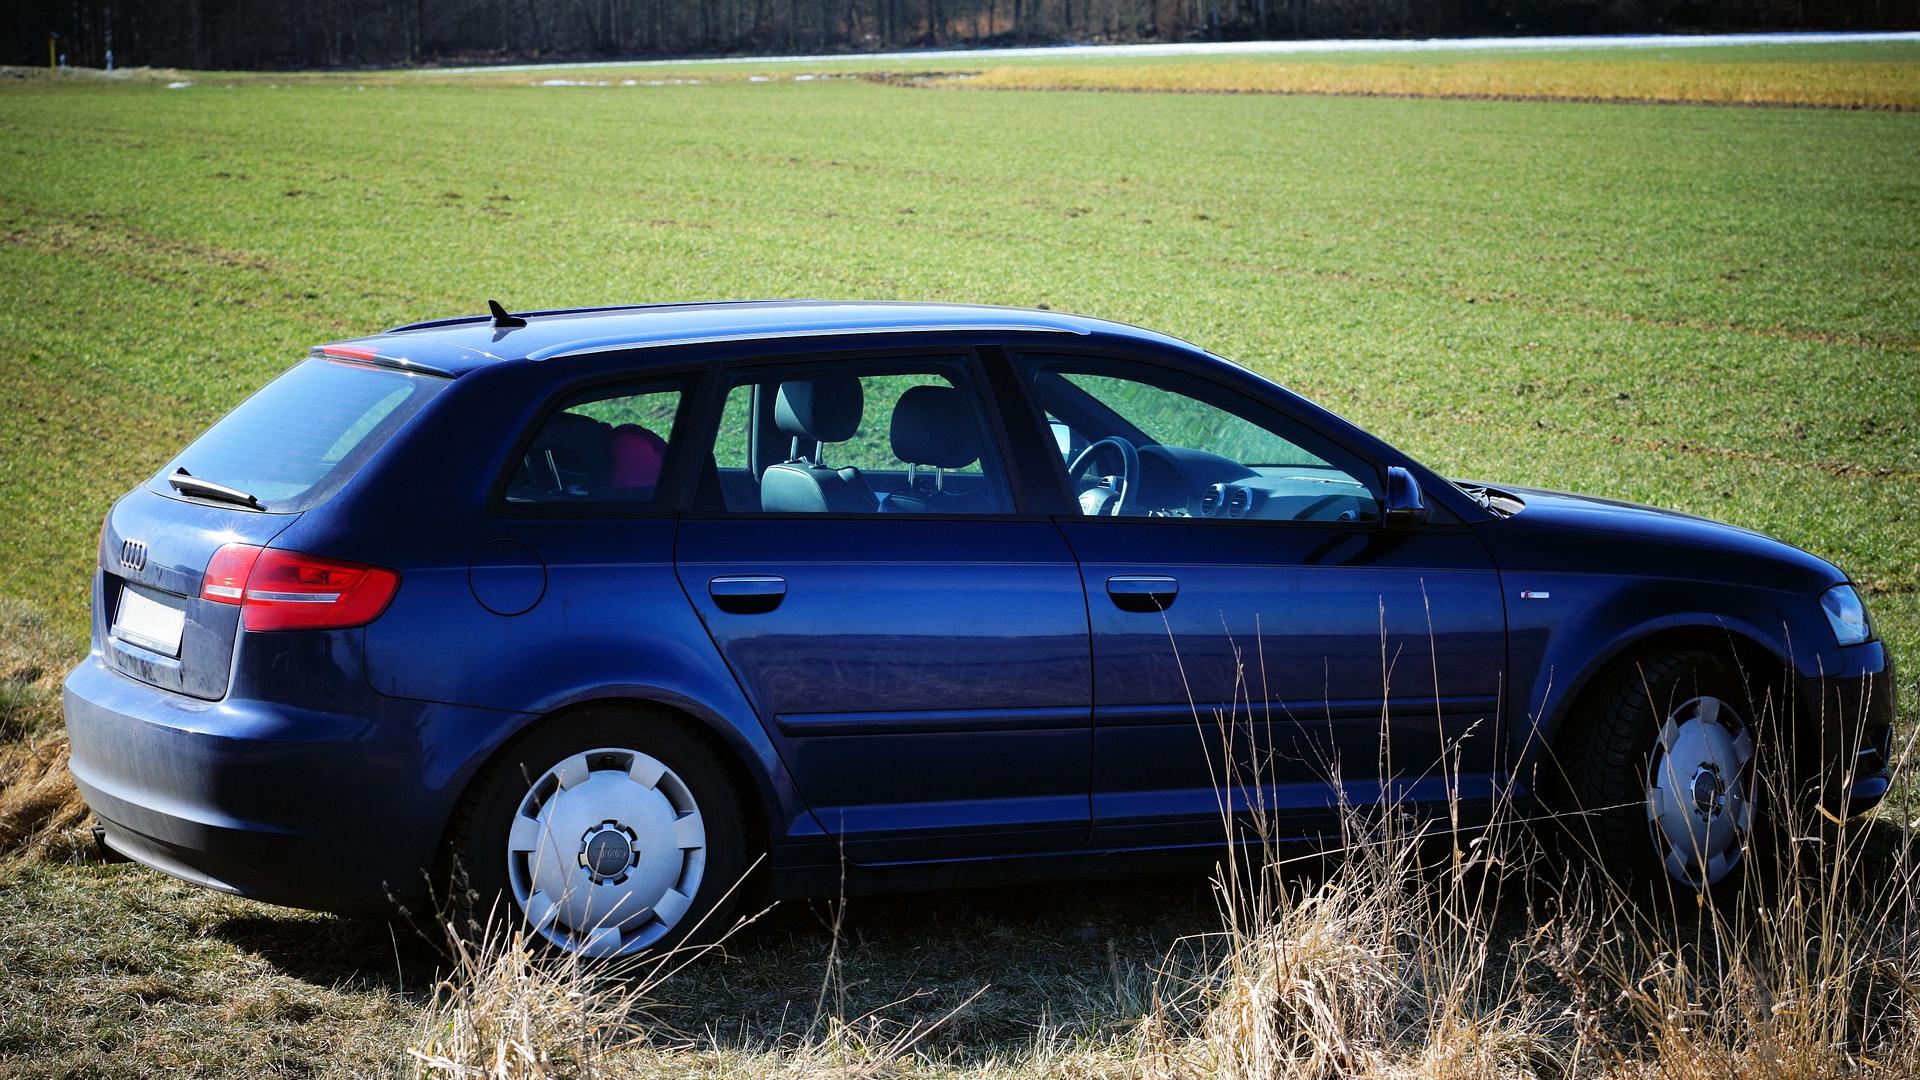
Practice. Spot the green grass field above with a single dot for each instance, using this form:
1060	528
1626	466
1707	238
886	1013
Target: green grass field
1716	310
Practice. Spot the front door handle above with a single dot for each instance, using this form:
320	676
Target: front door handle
747	594
1142	592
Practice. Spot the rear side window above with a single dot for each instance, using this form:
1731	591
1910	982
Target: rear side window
606	449
306	433
879	436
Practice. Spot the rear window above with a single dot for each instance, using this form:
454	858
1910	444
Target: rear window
304	434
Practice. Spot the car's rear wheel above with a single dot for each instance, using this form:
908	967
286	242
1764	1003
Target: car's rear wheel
607	832
1660	764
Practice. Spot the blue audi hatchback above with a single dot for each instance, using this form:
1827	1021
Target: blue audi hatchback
602	607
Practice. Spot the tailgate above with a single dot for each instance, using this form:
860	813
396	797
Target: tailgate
281	452
148	616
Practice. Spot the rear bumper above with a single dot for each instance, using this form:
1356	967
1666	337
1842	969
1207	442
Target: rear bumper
1855	713
307	808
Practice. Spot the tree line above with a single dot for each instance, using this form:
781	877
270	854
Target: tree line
254	34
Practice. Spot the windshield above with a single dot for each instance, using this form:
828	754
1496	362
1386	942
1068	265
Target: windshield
304	434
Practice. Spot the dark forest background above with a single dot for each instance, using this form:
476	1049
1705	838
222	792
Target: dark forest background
229	34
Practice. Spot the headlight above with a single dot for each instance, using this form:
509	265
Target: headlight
1847	615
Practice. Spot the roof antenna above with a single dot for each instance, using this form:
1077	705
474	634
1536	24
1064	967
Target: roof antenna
502	320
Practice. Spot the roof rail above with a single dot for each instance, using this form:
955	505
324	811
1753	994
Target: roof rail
431	324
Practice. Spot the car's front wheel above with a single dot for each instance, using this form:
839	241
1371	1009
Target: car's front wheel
606	832
1659	761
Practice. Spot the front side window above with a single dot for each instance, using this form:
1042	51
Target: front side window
604	449
872	437
1141	441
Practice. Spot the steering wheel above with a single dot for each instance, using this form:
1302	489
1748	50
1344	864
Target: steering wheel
1094	502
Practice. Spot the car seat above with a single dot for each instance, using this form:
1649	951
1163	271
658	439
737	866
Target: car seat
570	456
819	411
933	427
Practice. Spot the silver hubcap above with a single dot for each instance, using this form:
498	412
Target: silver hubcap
1698	785
606	852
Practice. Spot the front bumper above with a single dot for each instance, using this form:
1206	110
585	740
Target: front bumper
302	807
1854	714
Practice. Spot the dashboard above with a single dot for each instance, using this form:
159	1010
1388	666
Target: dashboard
1180	482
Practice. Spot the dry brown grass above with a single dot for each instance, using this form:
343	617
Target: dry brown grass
510	1011
506	1012
40	812
1848	85
1412	956
1376	972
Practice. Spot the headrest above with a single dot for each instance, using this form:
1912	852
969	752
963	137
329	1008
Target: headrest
932	425
577	442
573	431
824	410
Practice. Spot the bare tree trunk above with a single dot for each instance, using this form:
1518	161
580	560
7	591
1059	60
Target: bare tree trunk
533	22
197	34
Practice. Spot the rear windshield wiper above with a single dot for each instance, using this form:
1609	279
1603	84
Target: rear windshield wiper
186	483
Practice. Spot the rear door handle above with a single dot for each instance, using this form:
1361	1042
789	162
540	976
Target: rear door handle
1142	592
747	594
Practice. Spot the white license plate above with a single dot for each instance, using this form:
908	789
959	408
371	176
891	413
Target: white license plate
150	619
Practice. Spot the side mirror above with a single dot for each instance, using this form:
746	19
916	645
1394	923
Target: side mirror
1406	504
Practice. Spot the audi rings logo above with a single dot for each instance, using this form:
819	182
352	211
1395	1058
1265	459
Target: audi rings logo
133	555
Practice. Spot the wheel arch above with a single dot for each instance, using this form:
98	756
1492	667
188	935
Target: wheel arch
732	749
1764	659
1762	667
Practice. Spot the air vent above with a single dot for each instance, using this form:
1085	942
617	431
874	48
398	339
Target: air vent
1239	501
1210	502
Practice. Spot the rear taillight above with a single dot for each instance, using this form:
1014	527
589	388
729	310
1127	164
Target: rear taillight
226	579
288	590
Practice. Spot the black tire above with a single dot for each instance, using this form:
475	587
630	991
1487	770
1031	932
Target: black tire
475	861
1603	756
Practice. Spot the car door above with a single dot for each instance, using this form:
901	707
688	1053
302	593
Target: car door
916	646
1261	640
